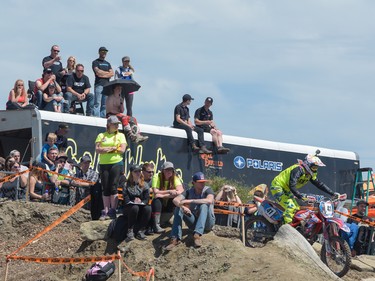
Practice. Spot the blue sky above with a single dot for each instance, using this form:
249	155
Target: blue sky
287	71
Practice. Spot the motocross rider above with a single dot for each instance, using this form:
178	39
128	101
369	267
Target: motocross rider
284	186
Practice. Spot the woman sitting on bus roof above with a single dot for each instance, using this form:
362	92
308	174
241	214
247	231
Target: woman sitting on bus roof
18	96
110	146
166	185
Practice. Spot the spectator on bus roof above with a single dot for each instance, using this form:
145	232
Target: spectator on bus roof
115	106
78	89
51	139
17	96
110	146
136	194
203	118
182	121
54	100
103	72
126	71
15	187
69	70
166	185
53	61
41	86
228	193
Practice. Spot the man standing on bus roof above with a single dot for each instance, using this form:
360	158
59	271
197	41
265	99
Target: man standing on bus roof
53	61
103	72
284	186
182	121
203	118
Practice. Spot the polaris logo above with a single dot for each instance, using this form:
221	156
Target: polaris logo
240	163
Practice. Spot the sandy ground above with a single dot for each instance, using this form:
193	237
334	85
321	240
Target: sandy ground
222	257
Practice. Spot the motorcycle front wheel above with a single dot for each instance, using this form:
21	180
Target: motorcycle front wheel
339	258
258	231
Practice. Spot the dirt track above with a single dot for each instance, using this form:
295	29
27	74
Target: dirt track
222	257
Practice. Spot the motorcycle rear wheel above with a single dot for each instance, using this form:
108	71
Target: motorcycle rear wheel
340	259
258	231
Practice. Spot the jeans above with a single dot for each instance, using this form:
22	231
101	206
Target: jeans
99	102
189	134
204	221
129	104
39	100
69	97
351	236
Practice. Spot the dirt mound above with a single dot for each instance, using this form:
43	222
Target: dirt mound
222	257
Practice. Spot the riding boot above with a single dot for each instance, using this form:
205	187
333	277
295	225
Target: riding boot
156	224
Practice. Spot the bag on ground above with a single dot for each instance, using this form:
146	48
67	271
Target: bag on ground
100	271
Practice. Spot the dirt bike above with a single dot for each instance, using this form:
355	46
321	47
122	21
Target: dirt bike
335	251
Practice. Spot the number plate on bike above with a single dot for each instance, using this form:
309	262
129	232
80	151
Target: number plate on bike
326	208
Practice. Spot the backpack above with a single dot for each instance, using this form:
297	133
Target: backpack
100	271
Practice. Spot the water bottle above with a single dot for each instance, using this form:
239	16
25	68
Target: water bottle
45	197
56	196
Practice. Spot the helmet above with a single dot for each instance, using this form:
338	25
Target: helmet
313	160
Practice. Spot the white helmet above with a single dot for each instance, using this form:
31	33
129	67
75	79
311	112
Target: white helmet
313	160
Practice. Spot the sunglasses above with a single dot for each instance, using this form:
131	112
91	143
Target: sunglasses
79	70
56	51
19	85
149	172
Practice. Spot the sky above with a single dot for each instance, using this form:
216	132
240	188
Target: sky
287	71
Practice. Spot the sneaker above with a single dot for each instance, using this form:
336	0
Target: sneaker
174	242
141	235
112	214
222	150
130	235
194	148
149	231
104	216
197	240
204	150
141	138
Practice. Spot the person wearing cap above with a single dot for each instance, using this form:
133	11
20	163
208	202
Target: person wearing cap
64	193
182	121
103	72
203	118
126	71
285	185
41	86
62	141
53	99
166	185
137	210
195	207
85	173
110	146
351	237
53	61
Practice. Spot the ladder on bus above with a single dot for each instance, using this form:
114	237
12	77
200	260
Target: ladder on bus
363	185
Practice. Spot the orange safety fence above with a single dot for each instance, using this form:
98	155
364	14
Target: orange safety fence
135	273
235	204
65	260
370	223
8	178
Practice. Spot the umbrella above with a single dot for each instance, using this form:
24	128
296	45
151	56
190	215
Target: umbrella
128	86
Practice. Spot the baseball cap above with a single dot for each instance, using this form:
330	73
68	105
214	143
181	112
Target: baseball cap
63	126
47	70
126	58
103	49
362	202
167	165
61	156
113	120
199	177
86	158
135	167
209	99
187	97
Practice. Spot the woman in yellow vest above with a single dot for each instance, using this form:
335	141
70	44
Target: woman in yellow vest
110	145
